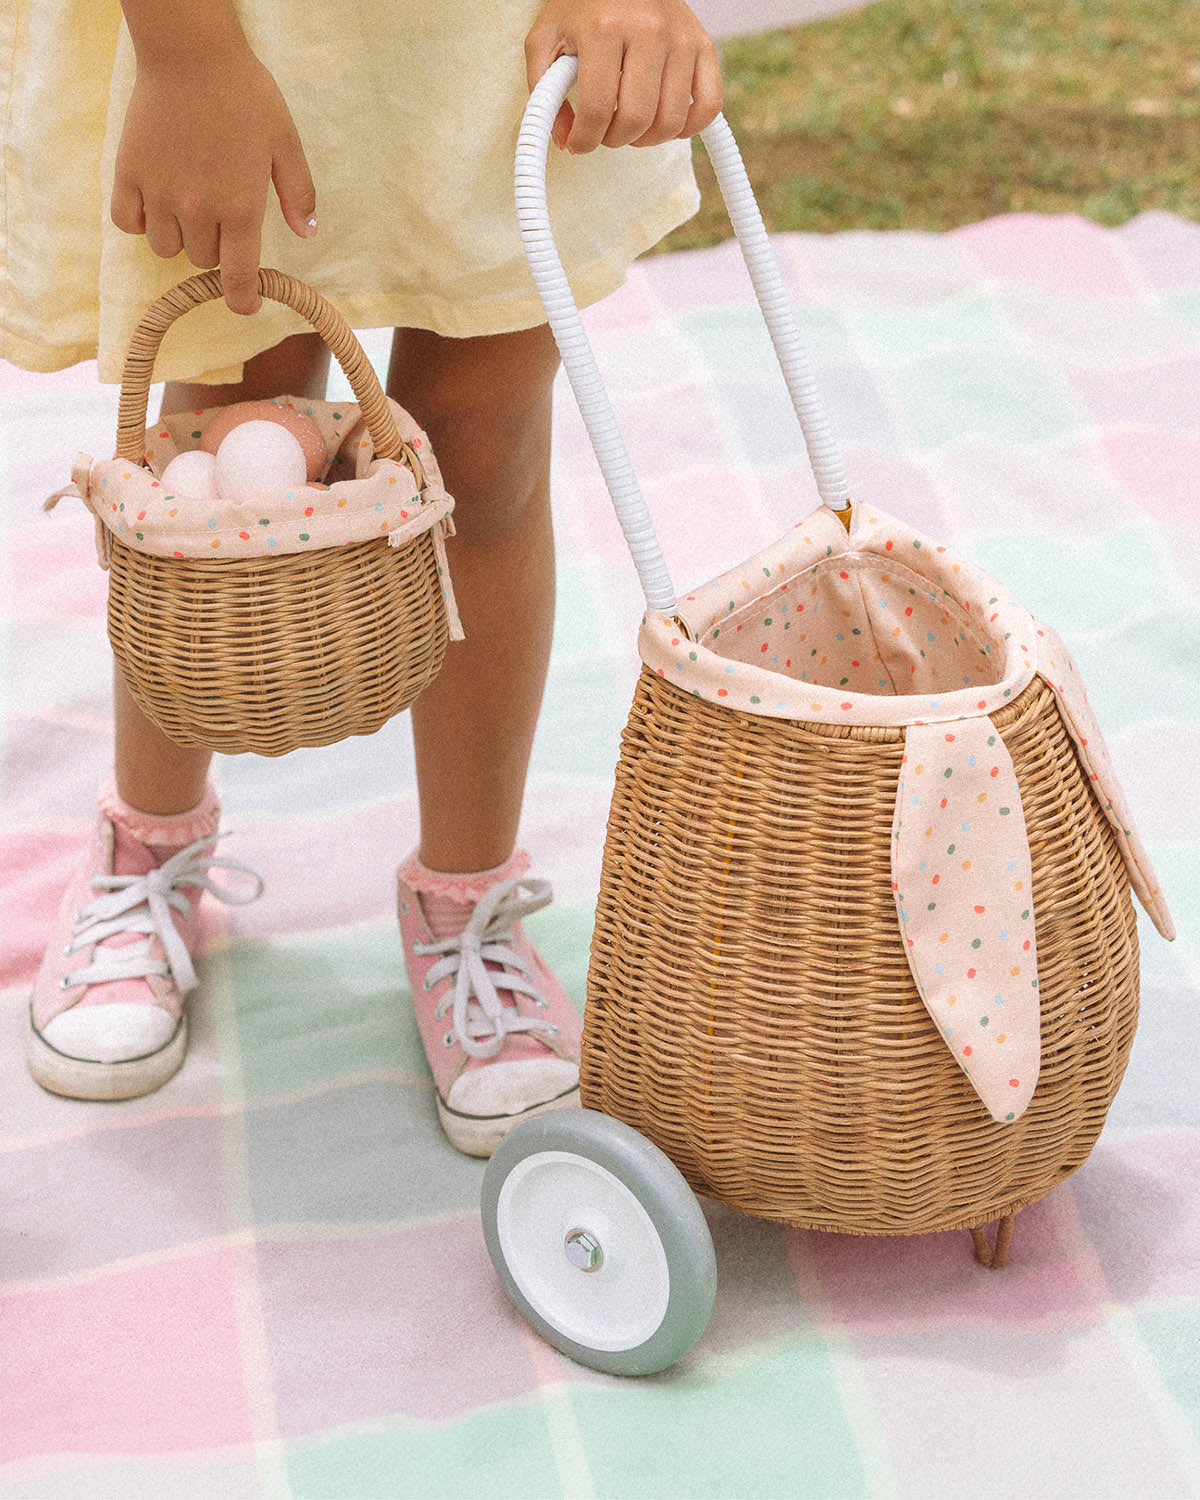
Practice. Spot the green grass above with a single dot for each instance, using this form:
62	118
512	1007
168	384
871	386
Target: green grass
925	114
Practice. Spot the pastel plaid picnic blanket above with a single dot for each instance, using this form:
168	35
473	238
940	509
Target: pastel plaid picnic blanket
269	1279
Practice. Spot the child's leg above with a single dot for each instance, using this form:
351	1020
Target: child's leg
107	1019
485	403
507	1046
296	366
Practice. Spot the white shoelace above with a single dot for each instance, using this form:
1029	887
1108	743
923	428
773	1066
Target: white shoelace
482	1022
143	903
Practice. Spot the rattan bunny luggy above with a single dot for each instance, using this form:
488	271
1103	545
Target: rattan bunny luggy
296	619
865	958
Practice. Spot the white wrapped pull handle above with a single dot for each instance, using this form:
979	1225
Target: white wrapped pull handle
580	363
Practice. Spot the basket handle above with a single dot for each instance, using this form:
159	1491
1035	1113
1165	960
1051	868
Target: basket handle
579	361
278	286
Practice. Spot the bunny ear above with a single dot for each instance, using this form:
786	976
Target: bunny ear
1059	672
963	882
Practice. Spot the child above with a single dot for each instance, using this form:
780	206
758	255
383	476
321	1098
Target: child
409	113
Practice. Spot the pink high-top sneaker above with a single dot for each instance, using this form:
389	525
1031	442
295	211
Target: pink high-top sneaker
500	1033
106	1018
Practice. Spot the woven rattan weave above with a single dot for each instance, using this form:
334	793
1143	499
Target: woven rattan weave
750	1008
268	654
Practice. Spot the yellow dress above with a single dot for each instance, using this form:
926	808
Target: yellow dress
408	113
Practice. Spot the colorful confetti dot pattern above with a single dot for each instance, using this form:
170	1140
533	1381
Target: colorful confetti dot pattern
365	497
963	883
878	625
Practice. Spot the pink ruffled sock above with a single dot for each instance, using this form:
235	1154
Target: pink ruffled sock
161	834
448	897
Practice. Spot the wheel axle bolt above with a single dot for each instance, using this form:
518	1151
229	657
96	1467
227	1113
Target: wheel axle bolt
583	1250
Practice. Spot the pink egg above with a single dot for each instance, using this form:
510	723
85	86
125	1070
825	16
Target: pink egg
258	458
192	474
302	427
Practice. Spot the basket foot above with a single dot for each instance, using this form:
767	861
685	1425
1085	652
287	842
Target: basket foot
994	1257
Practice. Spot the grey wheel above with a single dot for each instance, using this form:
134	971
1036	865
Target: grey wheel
599	1242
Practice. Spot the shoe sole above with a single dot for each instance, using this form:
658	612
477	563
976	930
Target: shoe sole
76	1078
479	1136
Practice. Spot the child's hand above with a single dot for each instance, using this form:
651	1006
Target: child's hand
201	143
648	70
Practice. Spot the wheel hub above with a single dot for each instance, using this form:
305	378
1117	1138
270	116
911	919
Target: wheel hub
583	1250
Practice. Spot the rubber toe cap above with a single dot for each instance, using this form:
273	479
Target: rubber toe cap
112	1033
510	1088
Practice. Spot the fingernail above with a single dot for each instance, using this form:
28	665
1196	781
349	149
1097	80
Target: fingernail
310	226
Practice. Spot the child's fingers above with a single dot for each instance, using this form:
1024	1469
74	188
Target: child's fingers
674	101
562	125
707	91
597	93
125	208
541	48
294	185
540	51
202	245
241	251
648	73
163	233
637	94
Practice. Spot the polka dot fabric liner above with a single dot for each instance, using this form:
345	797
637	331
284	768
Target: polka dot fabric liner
878	625
359	498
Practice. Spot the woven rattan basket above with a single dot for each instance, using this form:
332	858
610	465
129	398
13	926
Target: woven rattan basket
770	999
297	647
782	1055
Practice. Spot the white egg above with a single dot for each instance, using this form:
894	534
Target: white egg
193	474
257	458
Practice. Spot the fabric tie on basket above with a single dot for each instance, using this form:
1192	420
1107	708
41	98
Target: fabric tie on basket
878	625
365	497
962	878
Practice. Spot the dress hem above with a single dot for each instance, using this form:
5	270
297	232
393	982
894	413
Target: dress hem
222	361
